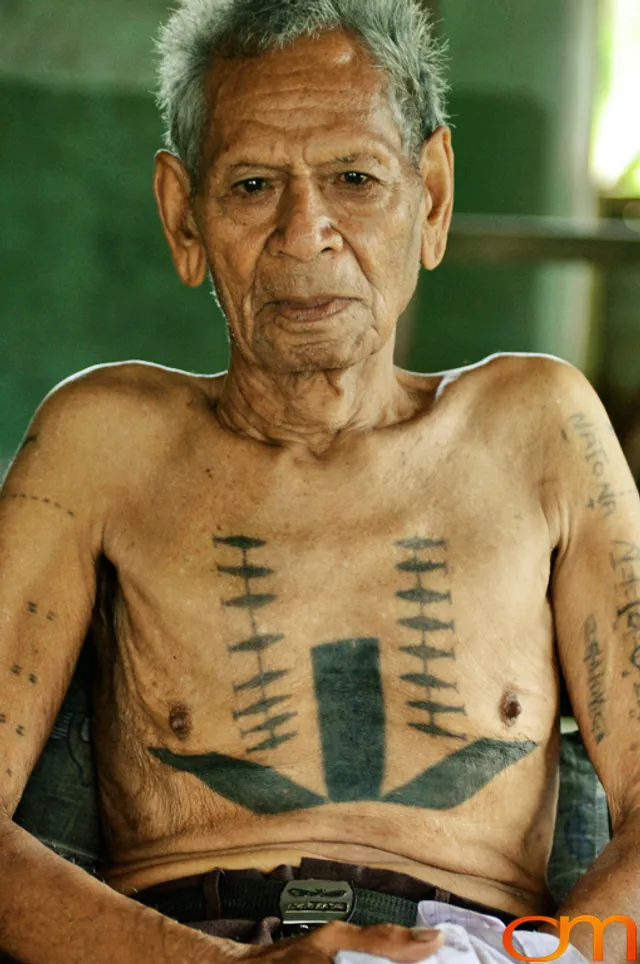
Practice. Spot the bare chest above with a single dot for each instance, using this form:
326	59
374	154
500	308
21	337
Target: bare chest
343	619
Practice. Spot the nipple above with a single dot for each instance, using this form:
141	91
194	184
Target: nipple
510	708
180	721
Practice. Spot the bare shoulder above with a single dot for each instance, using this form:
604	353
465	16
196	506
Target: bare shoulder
551	393
512	375
532	391
113	408
105	428
523	407
113	386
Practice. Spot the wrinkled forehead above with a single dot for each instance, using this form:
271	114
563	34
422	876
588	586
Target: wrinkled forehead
316	86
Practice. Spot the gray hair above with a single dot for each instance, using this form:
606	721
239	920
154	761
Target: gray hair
398	34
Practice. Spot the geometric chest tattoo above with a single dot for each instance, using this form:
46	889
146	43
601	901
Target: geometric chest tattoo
350	708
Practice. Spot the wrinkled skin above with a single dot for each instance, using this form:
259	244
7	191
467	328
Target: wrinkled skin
279	216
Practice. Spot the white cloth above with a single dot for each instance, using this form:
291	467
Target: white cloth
472	938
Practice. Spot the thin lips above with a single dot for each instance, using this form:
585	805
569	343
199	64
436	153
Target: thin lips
310	302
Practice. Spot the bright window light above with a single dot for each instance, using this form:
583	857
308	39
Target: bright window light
615	155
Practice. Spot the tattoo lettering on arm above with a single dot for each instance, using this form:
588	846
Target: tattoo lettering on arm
603	497
261	700
428	626
595	679
625	562
23	497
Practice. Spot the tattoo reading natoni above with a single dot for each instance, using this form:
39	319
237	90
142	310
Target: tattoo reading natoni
596	458
350	708
595	679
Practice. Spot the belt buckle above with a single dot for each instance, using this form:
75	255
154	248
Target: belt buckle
310	903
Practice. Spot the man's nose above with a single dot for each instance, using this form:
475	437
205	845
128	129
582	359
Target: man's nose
305	227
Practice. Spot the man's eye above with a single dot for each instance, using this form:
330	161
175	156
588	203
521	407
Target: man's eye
357	178
252	185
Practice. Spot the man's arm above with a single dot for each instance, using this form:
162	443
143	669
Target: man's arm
593	503
53	508
78	460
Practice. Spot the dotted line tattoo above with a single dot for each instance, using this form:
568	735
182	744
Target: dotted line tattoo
34	610
7	496
20	730
18	671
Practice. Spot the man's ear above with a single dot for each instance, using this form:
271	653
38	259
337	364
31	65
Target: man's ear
436	167
172	188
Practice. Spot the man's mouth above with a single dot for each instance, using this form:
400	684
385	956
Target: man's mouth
311	309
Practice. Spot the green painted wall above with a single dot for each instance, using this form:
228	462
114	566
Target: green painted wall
85	273
523	76
466	312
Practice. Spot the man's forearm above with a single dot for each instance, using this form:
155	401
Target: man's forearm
610	888
54	913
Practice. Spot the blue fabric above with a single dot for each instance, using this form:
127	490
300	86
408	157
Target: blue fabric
582	822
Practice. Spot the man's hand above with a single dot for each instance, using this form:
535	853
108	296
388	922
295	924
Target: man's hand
397	943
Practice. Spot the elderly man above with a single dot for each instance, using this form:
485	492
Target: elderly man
330	597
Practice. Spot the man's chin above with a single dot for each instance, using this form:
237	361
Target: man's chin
311	359
314	366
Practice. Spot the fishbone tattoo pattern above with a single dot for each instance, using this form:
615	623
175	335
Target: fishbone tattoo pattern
256	643
427	624
351	718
